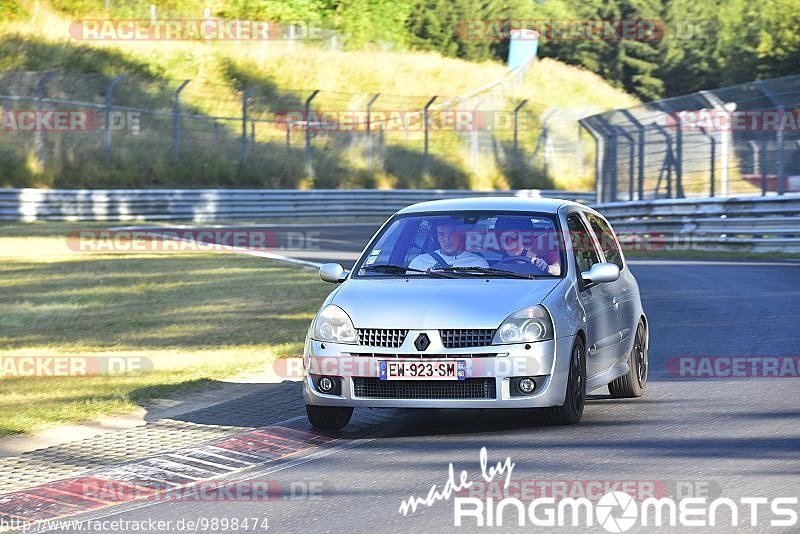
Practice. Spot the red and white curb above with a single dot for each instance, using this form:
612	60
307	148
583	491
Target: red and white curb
146	479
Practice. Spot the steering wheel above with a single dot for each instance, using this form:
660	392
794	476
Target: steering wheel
519	260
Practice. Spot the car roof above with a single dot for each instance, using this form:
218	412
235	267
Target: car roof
542	205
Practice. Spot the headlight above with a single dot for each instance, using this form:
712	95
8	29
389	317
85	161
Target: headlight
525	326
334	325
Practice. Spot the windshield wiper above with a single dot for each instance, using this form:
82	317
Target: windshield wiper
484	270
399	269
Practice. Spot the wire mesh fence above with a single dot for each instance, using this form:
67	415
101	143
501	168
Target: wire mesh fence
736	140
129	130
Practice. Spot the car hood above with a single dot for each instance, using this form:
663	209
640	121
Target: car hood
434	303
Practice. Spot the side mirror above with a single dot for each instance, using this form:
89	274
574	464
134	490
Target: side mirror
332	272
601	273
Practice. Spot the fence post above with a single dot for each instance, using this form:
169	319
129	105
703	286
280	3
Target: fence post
599	159
613	171
474	140
245	97
176	122
308	161
369	127
780	179
381	143
631	156
713	165
579	151
725	137
679	158
516	129
641	149
541	141
763	165
40	148
109	105
609	175
669	160
425	157
712	186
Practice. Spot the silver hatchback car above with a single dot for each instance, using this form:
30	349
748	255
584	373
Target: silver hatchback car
479	303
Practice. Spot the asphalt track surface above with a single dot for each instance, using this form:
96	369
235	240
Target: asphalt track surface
703	437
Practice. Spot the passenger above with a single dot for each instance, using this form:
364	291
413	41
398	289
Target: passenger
525	255
451	251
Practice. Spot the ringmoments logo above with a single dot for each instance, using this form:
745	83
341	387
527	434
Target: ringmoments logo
615	511
618	511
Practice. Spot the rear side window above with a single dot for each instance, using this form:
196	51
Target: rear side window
582	244
605	236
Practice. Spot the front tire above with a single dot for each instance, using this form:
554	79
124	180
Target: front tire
329	417
571	411
633	383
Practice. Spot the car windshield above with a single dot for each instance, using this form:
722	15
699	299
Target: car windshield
460	245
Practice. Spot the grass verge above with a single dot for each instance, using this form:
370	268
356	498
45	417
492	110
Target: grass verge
191	319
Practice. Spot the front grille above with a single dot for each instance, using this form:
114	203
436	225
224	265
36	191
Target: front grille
422	356
470	388
381	337
459	339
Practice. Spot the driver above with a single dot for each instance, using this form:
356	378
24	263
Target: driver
515	235
451	251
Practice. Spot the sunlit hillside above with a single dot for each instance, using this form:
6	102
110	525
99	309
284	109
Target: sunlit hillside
281	75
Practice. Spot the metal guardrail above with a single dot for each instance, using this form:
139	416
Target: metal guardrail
205	205
758	224
754	224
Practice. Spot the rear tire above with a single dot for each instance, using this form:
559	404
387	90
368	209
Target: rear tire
633	383
571	411
328	417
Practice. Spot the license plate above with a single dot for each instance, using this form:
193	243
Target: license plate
423	370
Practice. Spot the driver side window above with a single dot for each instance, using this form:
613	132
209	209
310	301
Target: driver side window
583	247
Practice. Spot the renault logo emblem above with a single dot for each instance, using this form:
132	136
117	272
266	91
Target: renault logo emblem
422	342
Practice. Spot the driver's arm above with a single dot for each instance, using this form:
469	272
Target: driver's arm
424	262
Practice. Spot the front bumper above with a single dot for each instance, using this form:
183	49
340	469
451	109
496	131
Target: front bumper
548	361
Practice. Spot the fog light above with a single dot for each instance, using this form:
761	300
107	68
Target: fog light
526	385
325	384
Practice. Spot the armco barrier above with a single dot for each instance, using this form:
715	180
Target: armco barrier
207	205
758	224
755	224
